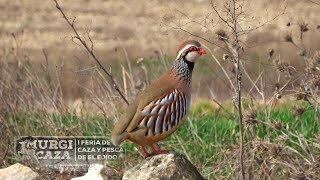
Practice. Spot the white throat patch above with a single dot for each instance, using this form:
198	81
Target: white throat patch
183	49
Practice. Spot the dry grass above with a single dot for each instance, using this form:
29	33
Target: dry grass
35	101
50	86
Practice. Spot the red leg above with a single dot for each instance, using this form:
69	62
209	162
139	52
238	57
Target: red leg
157	150
146	153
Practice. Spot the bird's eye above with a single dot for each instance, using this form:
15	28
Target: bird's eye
193	48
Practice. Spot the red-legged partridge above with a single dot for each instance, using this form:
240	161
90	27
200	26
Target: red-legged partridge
162	108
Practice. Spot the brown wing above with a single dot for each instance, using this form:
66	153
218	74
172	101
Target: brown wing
133	116
163	113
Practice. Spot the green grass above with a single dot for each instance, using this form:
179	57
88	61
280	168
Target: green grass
208	137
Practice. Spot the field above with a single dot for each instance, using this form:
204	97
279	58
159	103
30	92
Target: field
289	143
50	85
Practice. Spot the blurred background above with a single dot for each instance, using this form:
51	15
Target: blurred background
126	31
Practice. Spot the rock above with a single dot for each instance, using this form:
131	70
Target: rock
163	166
17	171
92	174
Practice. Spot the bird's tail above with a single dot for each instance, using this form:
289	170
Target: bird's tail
117	139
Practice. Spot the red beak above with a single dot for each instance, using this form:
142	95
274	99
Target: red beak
201	51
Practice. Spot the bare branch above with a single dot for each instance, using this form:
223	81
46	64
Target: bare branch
220	17
253	28
188	32
90	51
314	2
222	68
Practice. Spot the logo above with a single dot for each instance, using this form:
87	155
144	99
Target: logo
67	153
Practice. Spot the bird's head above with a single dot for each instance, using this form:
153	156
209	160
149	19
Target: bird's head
190	50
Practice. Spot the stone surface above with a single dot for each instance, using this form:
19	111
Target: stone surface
17	171
163	166
92	174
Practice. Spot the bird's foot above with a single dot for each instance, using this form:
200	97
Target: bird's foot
146	153
157	150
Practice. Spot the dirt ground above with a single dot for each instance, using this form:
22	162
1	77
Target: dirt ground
138	26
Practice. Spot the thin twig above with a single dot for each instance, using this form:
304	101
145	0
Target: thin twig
7	150
223	108
314	2
86	69
195	35
222	68
90	51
